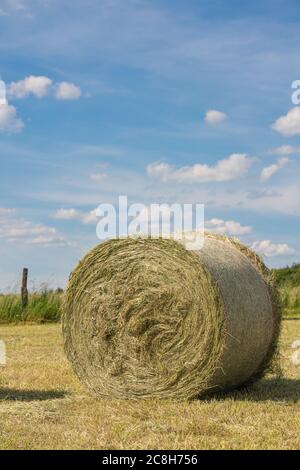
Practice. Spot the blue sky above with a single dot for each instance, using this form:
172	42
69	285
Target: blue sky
165	101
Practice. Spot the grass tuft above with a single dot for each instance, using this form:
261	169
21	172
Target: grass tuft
289	285
43	307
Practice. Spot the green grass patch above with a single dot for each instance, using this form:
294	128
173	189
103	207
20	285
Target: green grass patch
289	286
288	276
43	306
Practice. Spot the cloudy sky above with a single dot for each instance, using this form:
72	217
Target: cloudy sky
163	101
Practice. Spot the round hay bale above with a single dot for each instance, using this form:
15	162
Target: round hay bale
145	317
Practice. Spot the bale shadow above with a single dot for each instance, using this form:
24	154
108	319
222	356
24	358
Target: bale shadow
267	389
10	394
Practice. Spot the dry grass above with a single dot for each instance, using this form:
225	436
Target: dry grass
43	406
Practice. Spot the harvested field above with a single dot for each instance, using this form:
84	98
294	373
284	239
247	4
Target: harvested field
43	406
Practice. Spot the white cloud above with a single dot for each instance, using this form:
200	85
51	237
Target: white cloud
265	247
215	117
288	125
73	214
97	177
229	227
47	240
284	150
66	214
235	166
16	230
38	86
270	170
9	122
67	91
159	170
90	217
3	99
41	86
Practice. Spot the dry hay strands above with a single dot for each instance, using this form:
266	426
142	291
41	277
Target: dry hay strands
145	317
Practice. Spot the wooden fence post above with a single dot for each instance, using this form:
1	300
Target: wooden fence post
24	291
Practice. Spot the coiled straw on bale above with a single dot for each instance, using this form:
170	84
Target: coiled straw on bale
146	317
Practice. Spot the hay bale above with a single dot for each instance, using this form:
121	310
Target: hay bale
148	318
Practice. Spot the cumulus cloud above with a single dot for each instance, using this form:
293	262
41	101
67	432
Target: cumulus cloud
229	227
73	214
270	170
17	230
284	150
65	214
235	166
288	125
89	217
9	122
67	91
215	117
39	86
159	170
3	99
265	247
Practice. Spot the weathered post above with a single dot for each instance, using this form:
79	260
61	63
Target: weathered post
24	291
